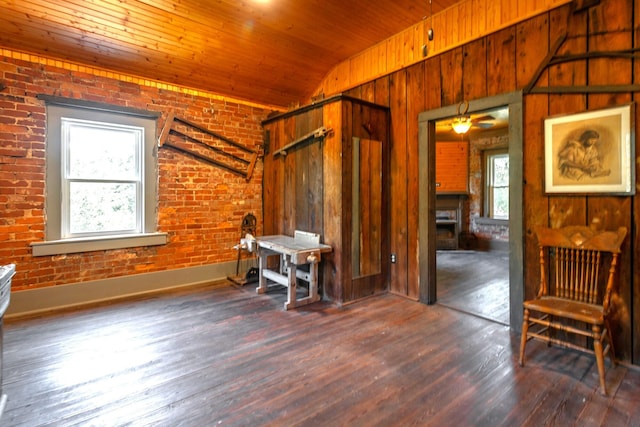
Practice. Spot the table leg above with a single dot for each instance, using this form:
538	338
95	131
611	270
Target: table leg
313	282
292	285
262	266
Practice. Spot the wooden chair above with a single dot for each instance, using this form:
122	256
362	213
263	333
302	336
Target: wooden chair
577	269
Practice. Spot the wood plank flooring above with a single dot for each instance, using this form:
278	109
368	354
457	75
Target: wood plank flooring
475	282
226	356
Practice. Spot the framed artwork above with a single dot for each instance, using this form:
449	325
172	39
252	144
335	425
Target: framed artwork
590	152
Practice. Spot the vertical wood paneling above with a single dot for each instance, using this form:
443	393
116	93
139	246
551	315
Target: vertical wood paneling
479	19
357	66
474	72
452	166
634	235
494	14
374	244
532	43
570	73
415	105
465	18
382	91
451	27
332	207
368	92
451	78
278	185
438	24
369	208
315	196
308	188
567	210
354	116
462	22
380	52
398	180
509	11
289	172
301	189
611	28
365	240
433	83
346	158
417	42
268	207
501	62
382	121
512	57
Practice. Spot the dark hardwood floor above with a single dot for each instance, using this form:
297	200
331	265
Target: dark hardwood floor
475	282
226	356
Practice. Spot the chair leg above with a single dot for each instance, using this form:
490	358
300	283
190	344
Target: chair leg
597	348
612	352
523	336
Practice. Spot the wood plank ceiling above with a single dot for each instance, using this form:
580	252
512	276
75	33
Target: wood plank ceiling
272	52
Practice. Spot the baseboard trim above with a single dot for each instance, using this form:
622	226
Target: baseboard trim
35	301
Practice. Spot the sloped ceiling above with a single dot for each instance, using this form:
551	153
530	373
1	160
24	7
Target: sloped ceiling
272	52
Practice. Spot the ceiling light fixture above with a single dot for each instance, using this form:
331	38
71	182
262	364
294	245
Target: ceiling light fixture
462	123
430	32
425	48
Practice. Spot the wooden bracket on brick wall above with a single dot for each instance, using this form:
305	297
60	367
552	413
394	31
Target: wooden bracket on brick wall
553	59
207	146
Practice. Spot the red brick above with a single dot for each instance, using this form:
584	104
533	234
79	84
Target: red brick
195	201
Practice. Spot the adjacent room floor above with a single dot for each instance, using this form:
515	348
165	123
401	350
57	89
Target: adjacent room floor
474	282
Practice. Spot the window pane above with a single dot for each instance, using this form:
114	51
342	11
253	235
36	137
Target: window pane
501	203
97	152
99	207
500	171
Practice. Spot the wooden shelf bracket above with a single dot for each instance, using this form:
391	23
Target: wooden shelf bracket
553	59
220	151
316	134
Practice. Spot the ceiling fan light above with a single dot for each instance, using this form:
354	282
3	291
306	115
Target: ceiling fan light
461	125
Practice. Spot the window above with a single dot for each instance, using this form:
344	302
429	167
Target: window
497	185
101	179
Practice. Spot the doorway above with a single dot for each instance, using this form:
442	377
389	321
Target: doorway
428	188
472	213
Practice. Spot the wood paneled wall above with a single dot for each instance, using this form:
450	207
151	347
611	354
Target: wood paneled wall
455	26
310	188
503	62
452	167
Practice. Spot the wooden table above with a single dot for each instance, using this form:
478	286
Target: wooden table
293	251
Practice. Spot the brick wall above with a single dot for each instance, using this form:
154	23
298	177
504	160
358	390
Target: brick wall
200	206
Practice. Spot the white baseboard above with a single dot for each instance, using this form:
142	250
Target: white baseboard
34	301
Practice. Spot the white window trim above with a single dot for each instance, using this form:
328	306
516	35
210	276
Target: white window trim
54	244
488	178
88	244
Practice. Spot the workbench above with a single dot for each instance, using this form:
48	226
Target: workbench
302	249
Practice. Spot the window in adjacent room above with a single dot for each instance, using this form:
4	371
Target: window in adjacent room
496	203
101	179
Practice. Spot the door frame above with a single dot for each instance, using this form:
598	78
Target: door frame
427	200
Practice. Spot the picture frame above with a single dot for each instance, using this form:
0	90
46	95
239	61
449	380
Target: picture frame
590	152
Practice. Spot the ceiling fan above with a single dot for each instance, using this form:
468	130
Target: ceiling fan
463	122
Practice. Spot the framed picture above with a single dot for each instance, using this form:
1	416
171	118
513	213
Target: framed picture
590	152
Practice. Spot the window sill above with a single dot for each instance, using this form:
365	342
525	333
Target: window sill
481	220
69	246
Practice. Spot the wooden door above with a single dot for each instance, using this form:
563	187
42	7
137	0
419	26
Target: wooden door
366	216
